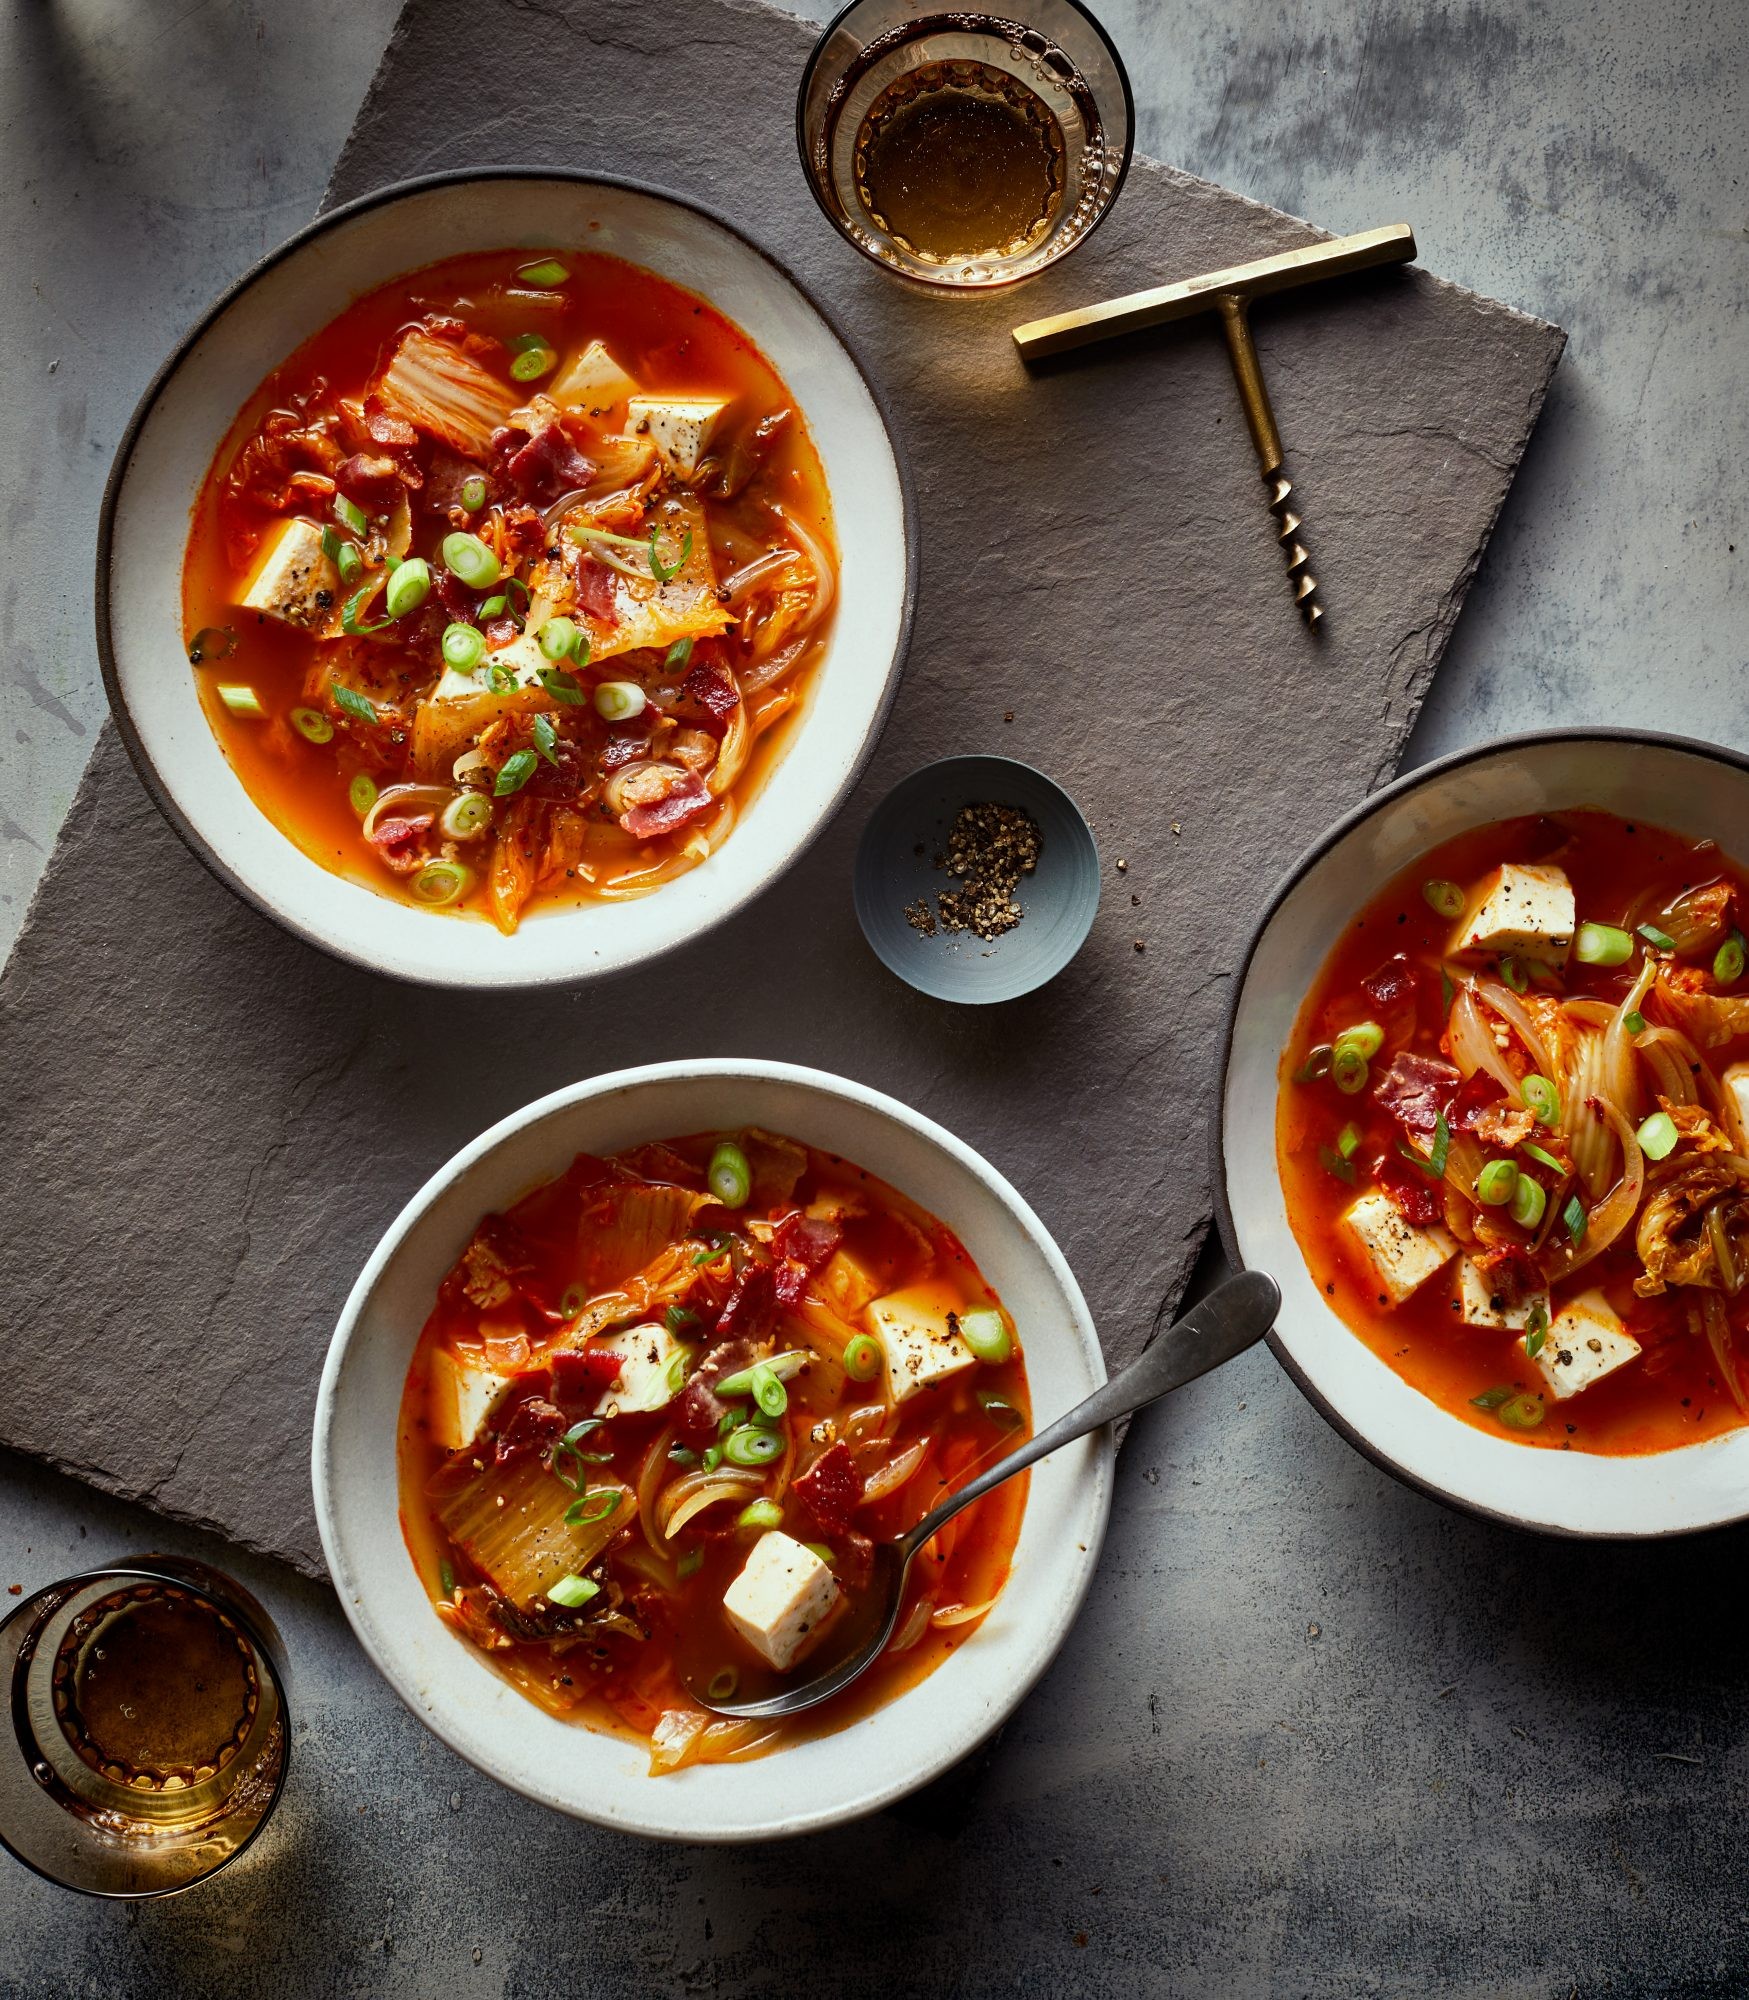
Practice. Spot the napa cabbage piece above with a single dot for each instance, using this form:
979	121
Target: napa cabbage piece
644	610
626	1226
510	1523
444	392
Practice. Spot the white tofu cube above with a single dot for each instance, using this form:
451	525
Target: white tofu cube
920	1347
293	580
680	427
1523	907
1736	1081
464	1392
653	1367
594	382
782	1597
1478	1306
522	660
1585	1343
1400	1256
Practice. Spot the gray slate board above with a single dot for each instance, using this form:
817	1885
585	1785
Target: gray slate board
206	1124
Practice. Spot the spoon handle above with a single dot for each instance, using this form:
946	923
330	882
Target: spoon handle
1235	1316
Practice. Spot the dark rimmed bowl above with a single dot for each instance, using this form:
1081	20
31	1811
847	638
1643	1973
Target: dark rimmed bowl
1700	790
291	295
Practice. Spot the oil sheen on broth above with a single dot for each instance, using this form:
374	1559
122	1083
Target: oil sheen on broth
958	159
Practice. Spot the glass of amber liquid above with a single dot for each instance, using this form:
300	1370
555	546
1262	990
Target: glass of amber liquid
149	1729
965	150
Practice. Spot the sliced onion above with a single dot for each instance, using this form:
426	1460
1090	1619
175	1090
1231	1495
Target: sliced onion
1618	1045
398	798
1718	1338
1586	1134
961	1614
895	1472
674	1737
742	580
825	580
1507	1005
1612	1215
1473	1047
914	1626
649	1478
699	1490
736	746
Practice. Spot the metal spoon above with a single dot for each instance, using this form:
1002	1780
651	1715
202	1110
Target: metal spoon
1232	1318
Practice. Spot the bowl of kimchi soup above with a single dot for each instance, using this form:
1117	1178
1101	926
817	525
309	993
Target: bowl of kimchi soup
507	579
1486	1116
622	1405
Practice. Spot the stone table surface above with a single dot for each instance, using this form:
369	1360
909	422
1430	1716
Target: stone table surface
1313	1735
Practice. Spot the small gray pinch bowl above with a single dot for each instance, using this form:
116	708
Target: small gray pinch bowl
895	866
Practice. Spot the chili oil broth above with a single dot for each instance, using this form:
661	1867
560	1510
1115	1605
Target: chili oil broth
968	1563
670	340
1621	873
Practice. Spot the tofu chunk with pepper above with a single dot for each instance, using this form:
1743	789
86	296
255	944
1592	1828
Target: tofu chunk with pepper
782	1597
680	427
464	1391
593	382
1523	907
1586	1341
919	1342
1400	1255
652	1369
293	580
1480	1305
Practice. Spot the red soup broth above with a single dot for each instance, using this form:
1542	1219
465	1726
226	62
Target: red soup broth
564	833
1622	875
618	1240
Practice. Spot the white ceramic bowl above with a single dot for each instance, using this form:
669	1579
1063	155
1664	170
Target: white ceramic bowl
1695	789
450	1687
280	304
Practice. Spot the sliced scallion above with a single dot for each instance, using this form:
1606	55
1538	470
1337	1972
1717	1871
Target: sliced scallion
562	686
986	1333
1444	899
1541	1158
1542	1098
557	637
677	655
768	1392
514	773
1348	1069
1657	939
1514	974
536	358
730	1177
1729	959
1522	1413
760	1514
359	706
1635	1023
243	701
722	1685
467	817
1333	1163
620	701
1491	1399
351	515
363	794
572	1591
1528	1202
752	1446
349	561
440	882
1602	944
1658	1136
1348	1141
494	607
546	737
1494	1184
544	274
1316	1064
862	1358
1441	1146
665	572
211	642
464	647
312	725
1367	1036
1573	1217
408	587
473	494
468	557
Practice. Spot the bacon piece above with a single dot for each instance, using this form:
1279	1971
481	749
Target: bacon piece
580	1374
853	1561
1504	1124
369	478
385	427
542	463
699	1408
747	1312
1512	1276
802	1243
1413	1194
532	1427
445	477
830	1488
621	750
400	843
594	588
1475	1095
682	803
713	691
1415	1088
1394	982
524	531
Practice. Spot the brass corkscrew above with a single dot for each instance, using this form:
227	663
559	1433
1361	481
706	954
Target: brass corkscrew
1230	294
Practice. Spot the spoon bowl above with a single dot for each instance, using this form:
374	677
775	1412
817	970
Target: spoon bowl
1233	1317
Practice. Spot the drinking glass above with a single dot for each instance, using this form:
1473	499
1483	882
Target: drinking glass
961	149
149	1733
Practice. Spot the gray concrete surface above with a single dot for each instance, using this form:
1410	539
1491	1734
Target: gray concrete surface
1313	1735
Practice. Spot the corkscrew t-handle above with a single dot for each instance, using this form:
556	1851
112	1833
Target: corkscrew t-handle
1230	293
